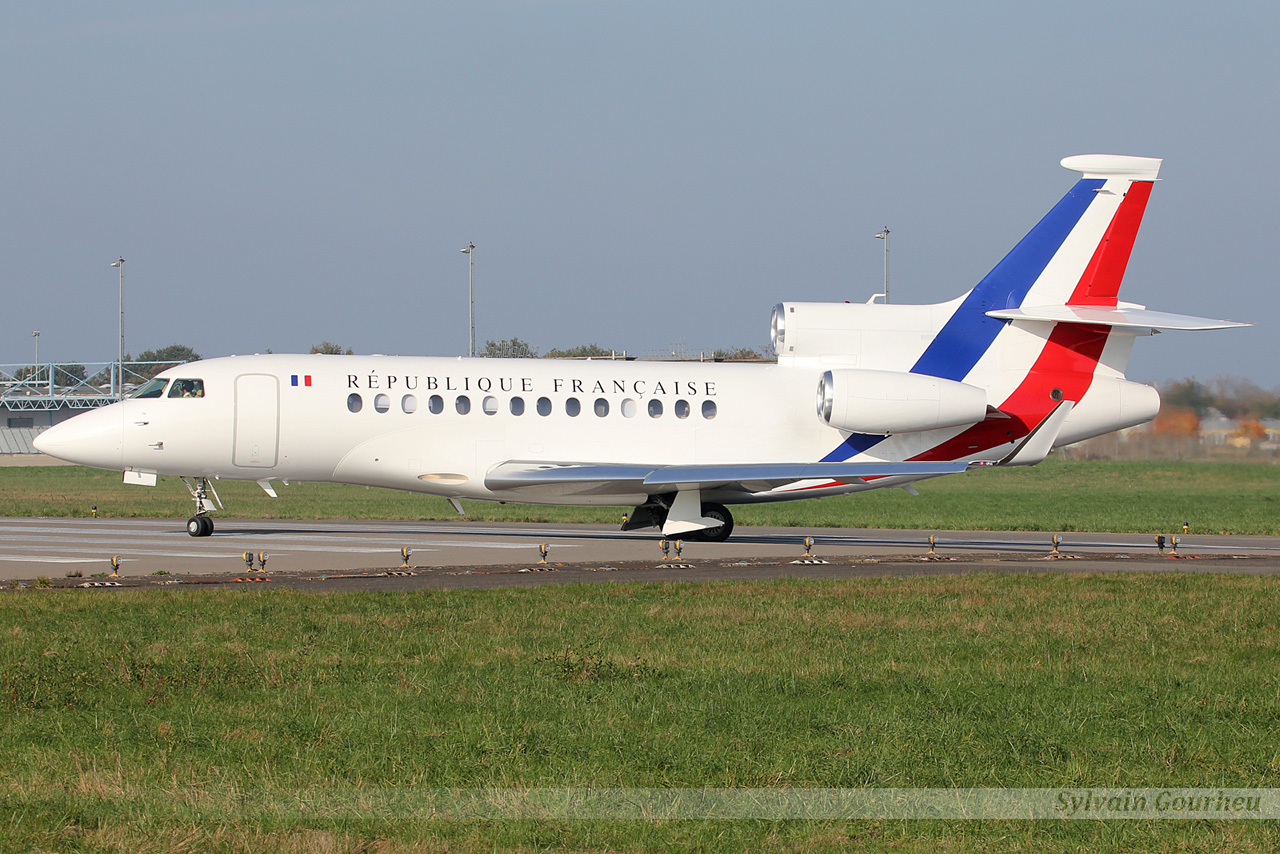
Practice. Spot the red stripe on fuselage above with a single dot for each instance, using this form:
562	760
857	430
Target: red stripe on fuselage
1101	280
1066	363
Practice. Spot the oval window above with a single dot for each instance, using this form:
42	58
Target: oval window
354	403
572	407
517	406
435	404
489	405
655	408
462	404
382	402
602	407
544	406
409	403
681	409
628	408
708	409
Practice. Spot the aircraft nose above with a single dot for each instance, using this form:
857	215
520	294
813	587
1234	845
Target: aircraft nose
93	438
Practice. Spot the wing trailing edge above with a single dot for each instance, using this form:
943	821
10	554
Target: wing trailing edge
603	478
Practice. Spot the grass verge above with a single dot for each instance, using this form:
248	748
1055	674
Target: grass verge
174	721
1219	498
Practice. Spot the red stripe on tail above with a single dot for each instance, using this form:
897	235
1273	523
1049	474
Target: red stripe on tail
1101	280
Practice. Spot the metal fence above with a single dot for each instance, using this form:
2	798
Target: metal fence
67	385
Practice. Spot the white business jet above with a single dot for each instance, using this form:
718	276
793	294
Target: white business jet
862	396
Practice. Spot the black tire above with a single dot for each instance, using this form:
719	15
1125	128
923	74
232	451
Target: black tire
199	526
721	532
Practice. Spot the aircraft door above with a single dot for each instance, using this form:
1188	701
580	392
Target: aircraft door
257	433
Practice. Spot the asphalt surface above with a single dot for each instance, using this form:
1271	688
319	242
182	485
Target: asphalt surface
366	555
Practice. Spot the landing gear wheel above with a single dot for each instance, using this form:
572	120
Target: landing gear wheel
721	532
199	526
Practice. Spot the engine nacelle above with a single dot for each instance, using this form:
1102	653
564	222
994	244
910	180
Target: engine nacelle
882	402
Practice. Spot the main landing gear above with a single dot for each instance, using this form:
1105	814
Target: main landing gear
200	525
721	532
653	514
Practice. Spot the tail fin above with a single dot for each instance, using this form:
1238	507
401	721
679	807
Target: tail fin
1046	327
1075	255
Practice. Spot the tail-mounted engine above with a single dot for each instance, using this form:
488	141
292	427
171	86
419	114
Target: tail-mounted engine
882	402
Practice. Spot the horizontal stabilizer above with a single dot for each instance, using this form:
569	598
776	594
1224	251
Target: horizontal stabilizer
1098	315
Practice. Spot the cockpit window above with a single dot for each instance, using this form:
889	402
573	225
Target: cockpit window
154	388
187	388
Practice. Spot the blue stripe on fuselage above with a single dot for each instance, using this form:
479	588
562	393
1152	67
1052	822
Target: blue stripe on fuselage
969	332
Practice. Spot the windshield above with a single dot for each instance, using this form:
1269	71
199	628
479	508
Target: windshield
187	388
155	388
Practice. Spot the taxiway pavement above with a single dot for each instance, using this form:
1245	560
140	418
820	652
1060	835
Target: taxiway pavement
466	554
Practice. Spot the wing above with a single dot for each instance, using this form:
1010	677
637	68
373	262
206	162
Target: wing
565	479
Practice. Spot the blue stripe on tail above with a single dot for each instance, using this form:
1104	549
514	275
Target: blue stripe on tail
969	332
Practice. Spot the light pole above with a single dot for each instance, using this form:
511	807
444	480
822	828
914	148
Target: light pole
884	235
36	335
120	350
470	251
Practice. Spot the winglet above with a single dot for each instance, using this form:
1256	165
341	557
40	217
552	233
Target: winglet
1039	442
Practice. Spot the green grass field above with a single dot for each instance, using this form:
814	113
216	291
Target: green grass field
188	721
1227	498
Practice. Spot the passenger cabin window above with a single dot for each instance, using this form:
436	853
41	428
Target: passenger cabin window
544	406
462	404
187	388
655	408
354	402
681	409
435	405
602	407
572	407
382	402
708	409
155	388
517	406
409	403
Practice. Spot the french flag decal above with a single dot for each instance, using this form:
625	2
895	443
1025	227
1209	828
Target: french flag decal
303	380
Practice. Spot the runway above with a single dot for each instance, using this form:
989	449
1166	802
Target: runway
464	554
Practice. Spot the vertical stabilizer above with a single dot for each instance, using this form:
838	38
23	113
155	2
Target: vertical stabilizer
1078	251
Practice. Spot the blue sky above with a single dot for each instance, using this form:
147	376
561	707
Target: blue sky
634	174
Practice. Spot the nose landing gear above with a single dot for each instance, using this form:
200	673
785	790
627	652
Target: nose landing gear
200	525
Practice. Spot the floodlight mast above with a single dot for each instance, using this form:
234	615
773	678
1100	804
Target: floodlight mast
883	234
469	250
119	389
